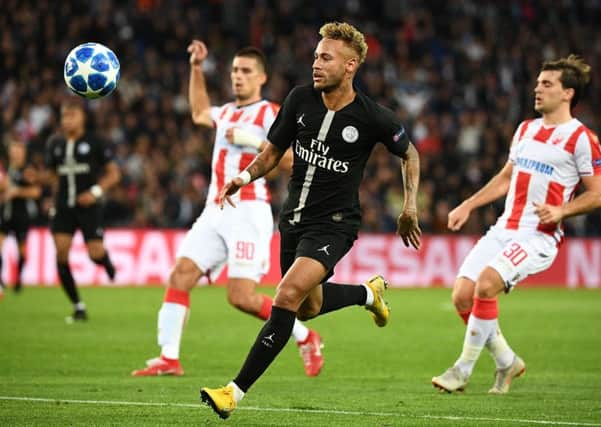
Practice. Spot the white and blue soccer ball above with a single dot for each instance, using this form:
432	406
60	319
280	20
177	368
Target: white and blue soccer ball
92	70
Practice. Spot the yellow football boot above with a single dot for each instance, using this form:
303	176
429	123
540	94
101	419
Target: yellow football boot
220	399
380	309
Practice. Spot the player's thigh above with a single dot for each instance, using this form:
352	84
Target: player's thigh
486	249
304	275
523	256
326	244
247	230
204	246
62	243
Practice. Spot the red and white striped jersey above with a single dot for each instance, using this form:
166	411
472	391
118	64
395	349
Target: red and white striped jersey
548	162
228	159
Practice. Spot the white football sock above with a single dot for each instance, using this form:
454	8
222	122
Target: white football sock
171	323
299	331
370	295
80	306
476	334
238	394
499	349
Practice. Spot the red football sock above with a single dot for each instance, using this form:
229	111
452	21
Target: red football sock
485	308
465	315
178	297
265	311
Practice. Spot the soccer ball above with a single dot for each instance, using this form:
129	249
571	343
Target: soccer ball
91	70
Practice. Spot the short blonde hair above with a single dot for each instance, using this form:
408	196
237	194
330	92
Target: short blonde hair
348	34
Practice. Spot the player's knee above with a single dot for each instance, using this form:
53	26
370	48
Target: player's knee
96	253
462	299
489	284
239	300
485	288
184	276
289	297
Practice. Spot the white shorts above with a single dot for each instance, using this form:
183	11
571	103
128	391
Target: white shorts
513	254
240	237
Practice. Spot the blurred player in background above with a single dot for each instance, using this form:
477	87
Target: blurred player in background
81	169
239	238
332	128
19	186
548	158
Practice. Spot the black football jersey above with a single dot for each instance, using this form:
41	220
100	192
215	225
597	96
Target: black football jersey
78	165
331	149
16	207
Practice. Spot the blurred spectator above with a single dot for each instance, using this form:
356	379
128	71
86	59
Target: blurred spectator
459	73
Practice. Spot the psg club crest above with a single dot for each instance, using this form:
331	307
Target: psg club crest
84	148
350	134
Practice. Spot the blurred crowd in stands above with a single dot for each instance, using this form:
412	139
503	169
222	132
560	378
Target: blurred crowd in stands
459	73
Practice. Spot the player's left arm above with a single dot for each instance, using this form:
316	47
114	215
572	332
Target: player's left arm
110	177
587	201
393	135
33	189
407	222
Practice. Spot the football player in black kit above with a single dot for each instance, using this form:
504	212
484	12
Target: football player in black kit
82	170
332	128
19	186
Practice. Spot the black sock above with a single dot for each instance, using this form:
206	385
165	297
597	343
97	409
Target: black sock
270	341
20	265
337	296
108	265
64	272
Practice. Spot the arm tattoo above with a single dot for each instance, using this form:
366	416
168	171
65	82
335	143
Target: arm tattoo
410	173
265	161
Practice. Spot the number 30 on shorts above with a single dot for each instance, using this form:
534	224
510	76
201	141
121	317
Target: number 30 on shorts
245	250
515	253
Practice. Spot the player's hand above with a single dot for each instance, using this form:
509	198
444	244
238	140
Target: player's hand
457	217
408	228
548	214
86	199
198	52
228	190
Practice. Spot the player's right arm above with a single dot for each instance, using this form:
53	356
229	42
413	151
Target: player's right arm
198	97
265	161
496	188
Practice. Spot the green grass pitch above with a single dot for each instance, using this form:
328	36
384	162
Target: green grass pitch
371	376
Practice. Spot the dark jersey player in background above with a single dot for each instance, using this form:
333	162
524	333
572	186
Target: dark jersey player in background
82	170
19	187
332	129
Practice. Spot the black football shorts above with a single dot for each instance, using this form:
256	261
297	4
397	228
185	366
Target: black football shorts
326	243
88	220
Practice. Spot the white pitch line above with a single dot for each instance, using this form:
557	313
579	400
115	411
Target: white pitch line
298	410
